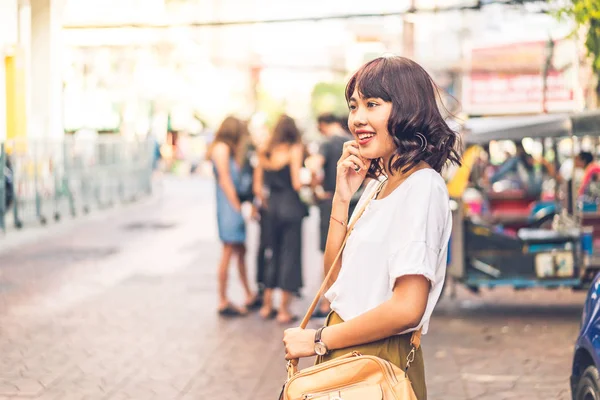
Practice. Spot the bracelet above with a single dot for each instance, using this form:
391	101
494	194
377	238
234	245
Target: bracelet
338	221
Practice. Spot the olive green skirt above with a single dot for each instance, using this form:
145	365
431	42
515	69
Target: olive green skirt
393	349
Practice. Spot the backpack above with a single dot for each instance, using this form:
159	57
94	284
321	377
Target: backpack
244	188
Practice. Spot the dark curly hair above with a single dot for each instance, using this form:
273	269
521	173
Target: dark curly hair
414	96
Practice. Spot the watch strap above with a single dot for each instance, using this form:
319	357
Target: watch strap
318	334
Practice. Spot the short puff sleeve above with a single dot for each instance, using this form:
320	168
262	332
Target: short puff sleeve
416	241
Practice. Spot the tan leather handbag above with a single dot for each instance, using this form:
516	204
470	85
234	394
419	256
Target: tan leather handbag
352	376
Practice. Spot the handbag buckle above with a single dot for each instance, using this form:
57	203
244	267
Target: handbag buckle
291	369
410	358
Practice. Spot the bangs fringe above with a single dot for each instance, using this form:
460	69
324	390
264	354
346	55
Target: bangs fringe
369	81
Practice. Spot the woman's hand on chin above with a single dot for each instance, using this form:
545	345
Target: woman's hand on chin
351	172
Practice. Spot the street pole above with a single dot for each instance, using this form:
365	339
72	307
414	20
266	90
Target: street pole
549	52
408	31
255	70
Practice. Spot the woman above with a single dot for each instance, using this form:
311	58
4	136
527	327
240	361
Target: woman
279	173
522	169
585	161
394	263
228	155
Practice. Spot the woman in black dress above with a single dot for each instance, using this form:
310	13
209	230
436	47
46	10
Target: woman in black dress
278	172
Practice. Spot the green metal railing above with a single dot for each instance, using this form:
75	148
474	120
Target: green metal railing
53	179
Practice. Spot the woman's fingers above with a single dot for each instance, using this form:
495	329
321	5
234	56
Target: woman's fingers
354	163
351	148
349	145
357	161
352	153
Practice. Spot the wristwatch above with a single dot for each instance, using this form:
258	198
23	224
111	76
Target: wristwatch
320	347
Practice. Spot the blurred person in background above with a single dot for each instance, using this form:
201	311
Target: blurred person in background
388	281
259	132
156	156
323	167
228	155
9	183
525	171
262	255
591	172
277	180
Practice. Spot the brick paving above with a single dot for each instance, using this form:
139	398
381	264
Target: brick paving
122	306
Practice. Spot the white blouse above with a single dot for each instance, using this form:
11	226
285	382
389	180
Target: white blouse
405	233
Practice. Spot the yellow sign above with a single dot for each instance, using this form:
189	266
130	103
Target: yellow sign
16	119
460	180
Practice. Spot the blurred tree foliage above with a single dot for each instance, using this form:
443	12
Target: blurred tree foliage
328	97
586	13
270	105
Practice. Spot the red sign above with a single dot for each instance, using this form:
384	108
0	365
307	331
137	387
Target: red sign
509	80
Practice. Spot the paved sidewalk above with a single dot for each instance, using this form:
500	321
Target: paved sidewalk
123	307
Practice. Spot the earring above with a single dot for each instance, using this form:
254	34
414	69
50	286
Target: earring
423	140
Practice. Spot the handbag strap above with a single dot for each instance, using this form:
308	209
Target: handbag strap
321	291
415	339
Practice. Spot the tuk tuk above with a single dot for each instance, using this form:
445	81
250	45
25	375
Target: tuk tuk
527	240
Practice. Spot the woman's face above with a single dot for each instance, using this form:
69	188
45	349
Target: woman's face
368	121
579	163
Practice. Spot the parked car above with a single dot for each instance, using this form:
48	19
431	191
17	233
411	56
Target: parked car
585	378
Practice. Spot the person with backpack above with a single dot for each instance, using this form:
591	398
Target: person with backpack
278	171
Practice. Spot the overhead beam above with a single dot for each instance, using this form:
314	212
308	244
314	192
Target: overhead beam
476	5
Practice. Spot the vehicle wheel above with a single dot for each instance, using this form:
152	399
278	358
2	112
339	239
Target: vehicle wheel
588	387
